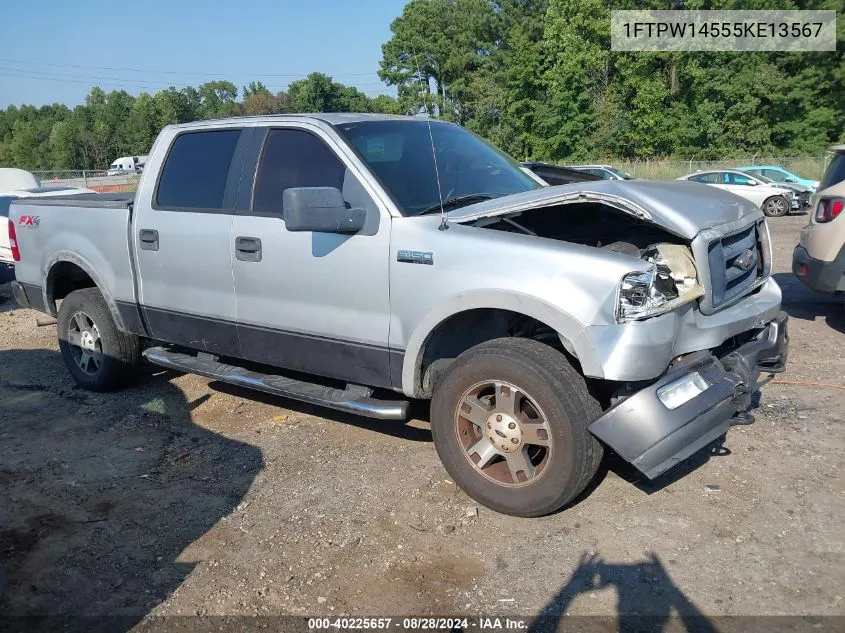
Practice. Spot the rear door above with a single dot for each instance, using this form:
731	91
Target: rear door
311	301
183	245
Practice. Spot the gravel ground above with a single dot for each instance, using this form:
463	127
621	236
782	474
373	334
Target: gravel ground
185	496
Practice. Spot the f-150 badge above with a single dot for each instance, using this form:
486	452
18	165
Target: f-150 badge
415	257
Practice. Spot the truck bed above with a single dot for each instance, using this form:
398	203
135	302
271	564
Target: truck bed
89	231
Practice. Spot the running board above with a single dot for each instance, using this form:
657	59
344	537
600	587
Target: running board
353	399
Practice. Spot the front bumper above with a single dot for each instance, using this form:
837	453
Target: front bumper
653	438
817	274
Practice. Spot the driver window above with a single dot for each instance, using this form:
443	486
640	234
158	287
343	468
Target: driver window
296	158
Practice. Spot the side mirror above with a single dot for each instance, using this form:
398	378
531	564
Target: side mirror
753	183
790	180
320	209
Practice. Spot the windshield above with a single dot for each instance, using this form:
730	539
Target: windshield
399	153
622	174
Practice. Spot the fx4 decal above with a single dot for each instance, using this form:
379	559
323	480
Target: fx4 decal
29	221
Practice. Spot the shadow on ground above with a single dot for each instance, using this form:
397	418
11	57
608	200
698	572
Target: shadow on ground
803	303
647	598
97	509
418	410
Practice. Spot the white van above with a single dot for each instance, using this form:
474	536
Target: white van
127	165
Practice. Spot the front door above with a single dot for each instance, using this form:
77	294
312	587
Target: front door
183	244
309	301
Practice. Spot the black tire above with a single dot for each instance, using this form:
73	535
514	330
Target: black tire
776	206
547	379
119	352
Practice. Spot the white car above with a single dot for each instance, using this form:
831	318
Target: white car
774	200
605	172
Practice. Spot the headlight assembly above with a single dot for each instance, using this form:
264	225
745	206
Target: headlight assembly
643	295
670	282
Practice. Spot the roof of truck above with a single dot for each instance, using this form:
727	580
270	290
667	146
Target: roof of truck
332	118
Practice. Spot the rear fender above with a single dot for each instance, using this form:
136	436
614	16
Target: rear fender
73	258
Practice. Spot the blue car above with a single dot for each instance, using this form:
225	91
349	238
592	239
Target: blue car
779	174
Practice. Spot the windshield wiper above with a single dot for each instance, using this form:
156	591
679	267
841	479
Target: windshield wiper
458	201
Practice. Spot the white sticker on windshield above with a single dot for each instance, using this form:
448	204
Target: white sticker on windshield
375	145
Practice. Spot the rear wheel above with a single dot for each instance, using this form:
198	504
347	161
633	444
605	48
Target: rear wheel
776	206
509	420
98	355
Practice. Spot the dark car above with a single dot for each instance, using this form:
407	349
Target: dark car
557	175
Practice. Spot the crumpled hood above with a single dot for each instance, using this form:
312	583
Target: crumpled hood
681	207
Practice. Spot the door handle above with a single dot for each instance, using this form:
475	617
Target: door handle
248	249
149	239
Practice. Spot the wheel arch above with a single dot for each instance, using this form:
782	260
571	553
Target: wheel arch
469	320
67	271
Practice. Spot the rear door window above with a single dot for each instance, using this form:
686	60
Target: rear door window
196	170
835	172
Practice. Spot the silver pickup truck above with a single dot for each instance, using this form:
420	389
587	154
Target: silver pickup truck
336	258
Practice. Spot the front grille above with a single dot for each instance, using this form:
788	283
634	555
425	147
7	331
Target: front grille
737	262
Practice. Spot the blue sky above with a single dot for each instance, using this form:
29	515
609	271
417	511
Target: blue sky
55	50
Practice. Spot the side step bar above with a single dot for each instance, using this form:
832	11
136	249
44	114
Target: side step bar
353	399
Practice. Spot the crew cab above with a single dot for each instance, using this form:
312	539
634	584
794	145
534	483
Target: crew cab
358	261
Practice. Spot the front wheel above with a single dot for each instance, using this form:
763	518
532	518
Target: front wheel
98	355
509	420
776	206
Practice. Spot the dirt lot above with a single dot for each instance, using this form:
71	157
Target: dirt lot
181	496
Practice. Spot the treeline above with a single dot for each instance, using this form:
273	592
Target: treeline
536	77
108	125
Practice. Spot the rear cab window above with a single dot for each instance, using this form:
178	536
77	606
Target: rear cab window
196	170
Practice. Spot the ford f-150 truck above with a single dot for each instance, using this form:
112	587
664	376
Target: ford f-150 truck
336	258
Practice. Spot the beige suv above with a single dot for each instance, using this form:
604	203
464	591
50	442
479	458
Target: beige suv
819	258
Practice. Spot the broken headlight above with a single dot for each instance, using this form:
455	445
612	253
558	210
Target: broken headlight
644	294
671	282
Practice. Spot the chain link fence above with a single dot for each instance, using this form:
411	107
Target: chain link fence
98	180
811	167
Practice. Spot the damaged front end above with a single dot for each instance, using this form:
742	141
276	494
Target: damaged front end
695	322
693	403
